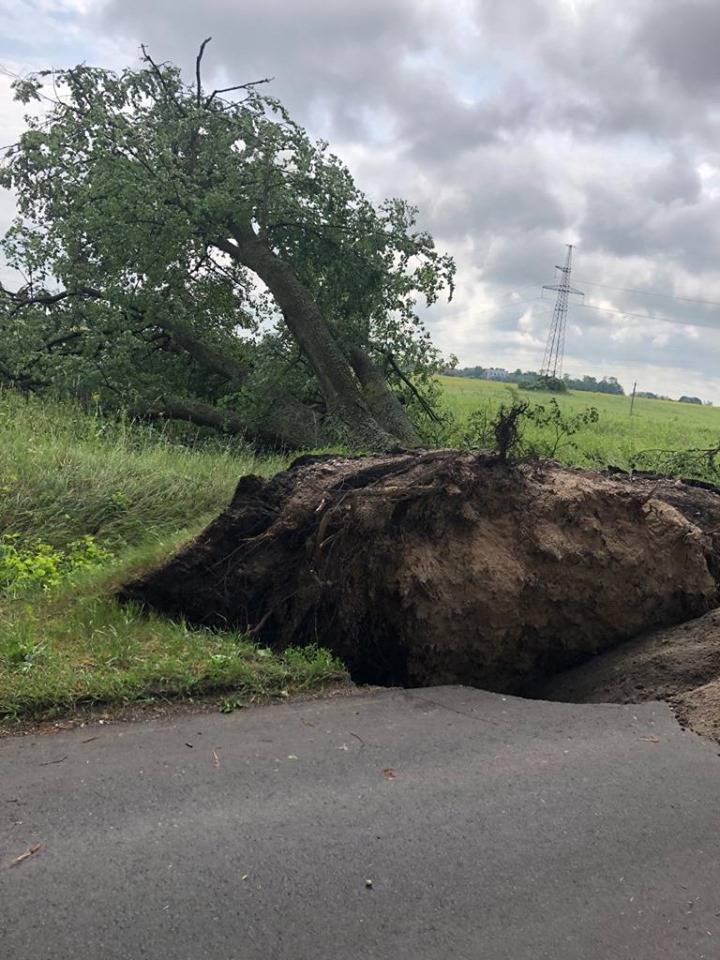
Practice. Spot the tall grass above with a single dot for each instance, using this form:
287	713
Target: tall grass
86	503
65	473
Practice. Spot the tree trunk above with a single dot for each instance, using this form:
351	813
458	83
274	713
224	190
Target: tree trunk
384	404
314	336
297	430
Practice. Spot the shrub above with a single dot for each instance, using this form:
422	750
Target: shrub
504	433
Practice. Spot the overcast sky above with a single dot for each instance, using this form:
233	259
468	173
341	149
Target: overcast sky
515	125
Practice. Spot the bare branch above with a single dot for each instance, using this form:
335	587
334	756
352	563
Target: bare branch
161	79
198	61
408	383
21	300
238	86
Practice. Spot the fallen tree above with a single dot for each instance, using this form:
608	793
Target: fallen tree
445	566
187	248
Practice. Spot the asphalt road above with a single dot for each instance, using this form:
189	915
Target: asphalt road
439	823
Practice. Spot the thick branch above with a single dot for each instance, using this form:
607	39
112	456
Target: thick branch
234	371
201	414
278	433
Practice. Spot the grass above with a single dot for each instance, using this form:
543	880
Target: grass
617	438
65	473
134	494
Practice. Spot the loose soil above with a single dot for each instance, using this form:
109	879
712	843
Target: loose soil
679	664
447	566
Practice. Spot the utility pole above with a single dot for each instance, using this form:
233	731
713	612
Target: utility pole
632	398
555	346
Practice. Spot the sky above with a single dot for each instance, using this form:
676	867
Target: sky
515	127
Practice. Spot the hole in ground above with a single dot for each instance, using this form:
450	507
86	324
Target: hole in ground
384	663
679	664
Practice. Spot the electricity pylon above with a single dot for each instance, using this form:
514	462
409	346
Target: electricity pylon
555	346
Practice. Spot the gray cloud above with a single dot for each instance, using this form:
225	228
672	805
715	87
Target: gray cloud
681	41
516	127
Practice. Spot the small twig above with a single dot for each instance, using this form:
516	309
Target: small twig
47	763
31	851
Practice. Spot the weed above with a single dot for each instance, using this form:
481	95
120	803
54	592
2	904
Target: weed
558	426
505	431
36	564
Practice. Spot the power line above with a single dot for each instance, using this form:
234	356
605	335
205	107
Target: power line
514	303
527	286
645	316
651	293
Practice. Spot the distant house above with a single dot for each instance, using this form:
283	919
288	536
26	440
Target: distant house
496	373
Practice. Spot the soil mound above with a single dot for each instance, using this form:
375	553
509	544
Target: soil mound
447	566
679	664
655	666
700	709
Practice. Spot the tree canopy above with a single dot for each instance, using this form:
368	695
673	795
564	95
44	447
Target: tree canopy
193	253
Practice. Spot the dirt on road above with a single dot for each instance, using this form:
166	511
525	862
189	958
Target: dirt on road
679	664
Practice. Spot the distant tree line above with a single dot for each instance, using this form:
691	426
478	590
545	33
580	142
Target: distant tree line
530	378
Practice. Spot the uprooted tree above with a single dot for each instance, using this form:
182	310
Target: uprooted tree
447	566
193	254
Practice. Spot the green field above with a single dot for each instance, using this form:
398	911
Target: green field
617	437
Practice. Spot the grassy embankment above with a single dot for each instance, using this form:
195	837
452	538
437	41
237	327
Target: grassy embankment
84	504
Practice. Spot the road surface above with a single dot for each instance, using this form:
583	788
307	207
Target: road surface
437	823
